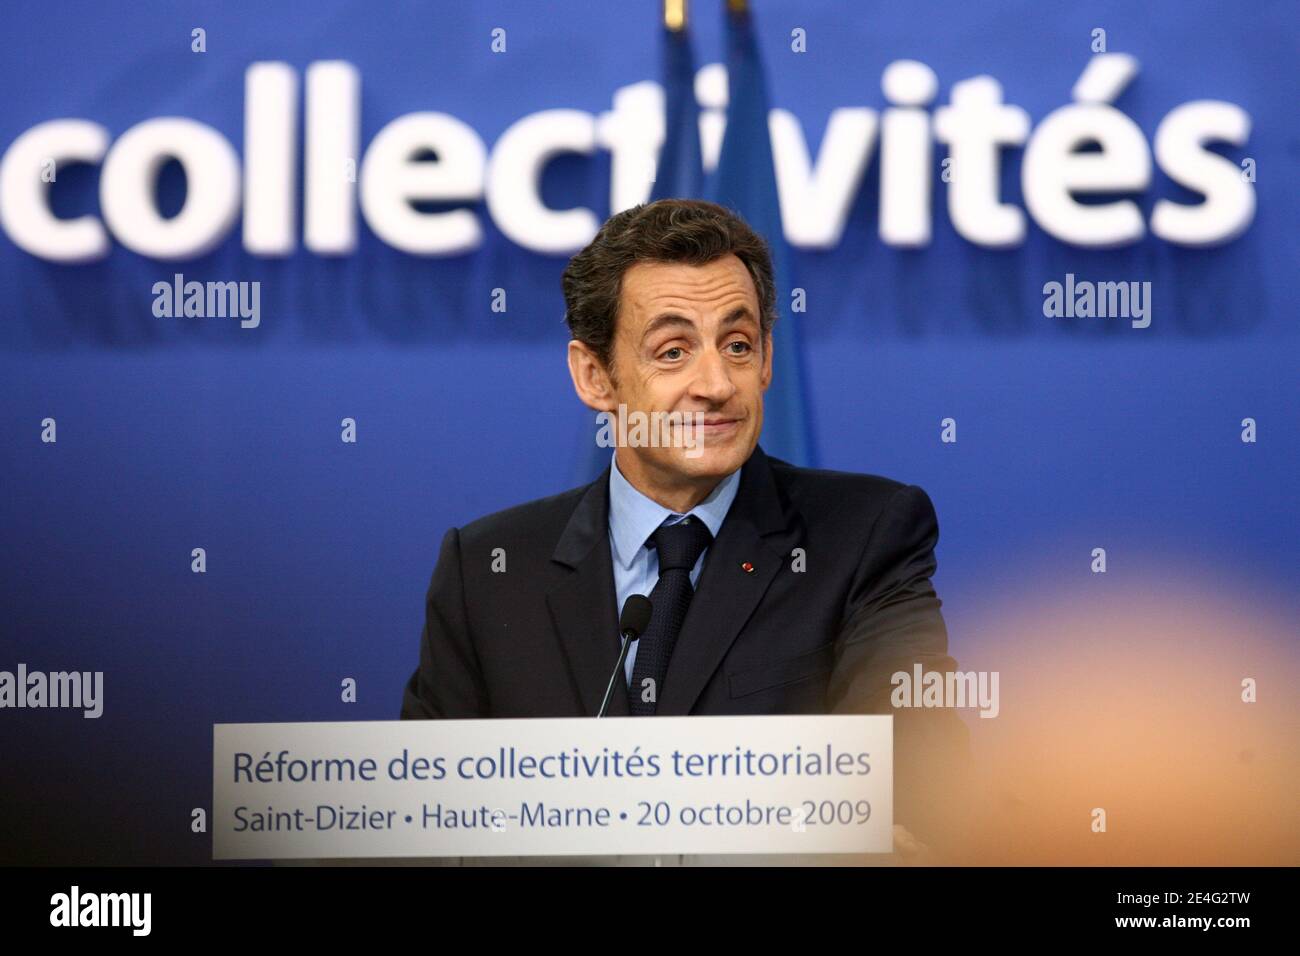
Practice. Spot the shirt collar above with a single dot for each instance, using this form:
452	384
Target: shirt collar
633	517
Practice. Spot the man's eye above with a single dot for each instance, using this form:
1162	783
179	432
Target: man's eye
668	353
744	347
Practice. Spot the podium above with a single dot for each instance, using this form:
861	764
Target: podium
616	791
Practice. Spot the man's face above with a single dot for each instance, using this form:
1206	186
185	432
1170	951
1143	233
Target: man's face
688	340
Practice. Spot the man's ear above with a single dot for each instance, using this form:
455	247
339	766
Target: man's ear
590	378
765	378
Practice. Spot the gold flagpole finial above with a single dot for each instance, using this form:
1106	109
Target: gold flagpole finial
737	6
675	15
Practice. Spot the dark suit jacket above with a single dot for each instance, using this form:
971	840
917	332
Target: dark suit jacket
838	599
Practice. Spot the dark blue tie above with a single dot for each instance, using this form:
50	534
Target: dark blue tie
679	546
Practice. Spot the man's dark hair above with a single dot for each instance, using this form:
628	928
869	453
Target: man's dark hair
669	230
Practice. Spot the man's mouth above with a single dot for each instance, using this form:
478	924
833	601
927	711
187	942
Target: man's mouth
698	429
718	427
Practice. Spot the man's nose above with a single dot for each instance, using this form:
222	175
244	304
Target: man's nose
713	379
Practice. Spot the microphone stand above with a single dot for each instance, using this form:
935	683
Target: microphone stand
628	637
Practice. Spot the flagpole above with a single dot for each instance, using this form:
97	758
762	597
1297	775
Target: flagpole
675	15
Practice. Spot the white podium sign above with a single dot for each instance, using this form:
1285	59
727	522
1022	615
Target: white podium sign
553	787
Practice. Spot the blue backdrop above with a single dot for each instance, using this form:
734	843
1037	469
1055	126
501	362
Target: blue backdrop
174	435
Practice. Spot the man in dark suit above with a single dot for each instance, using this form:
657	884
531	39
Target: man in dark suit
775	589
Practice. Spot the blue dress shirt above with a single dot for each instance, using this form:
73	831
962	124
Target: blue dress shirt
633	518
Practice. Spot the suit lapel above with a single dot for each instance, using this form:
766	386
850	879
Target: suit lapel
756	531
584	605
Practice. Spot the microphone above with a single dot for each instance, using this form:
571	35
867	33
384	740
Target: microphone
634	620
